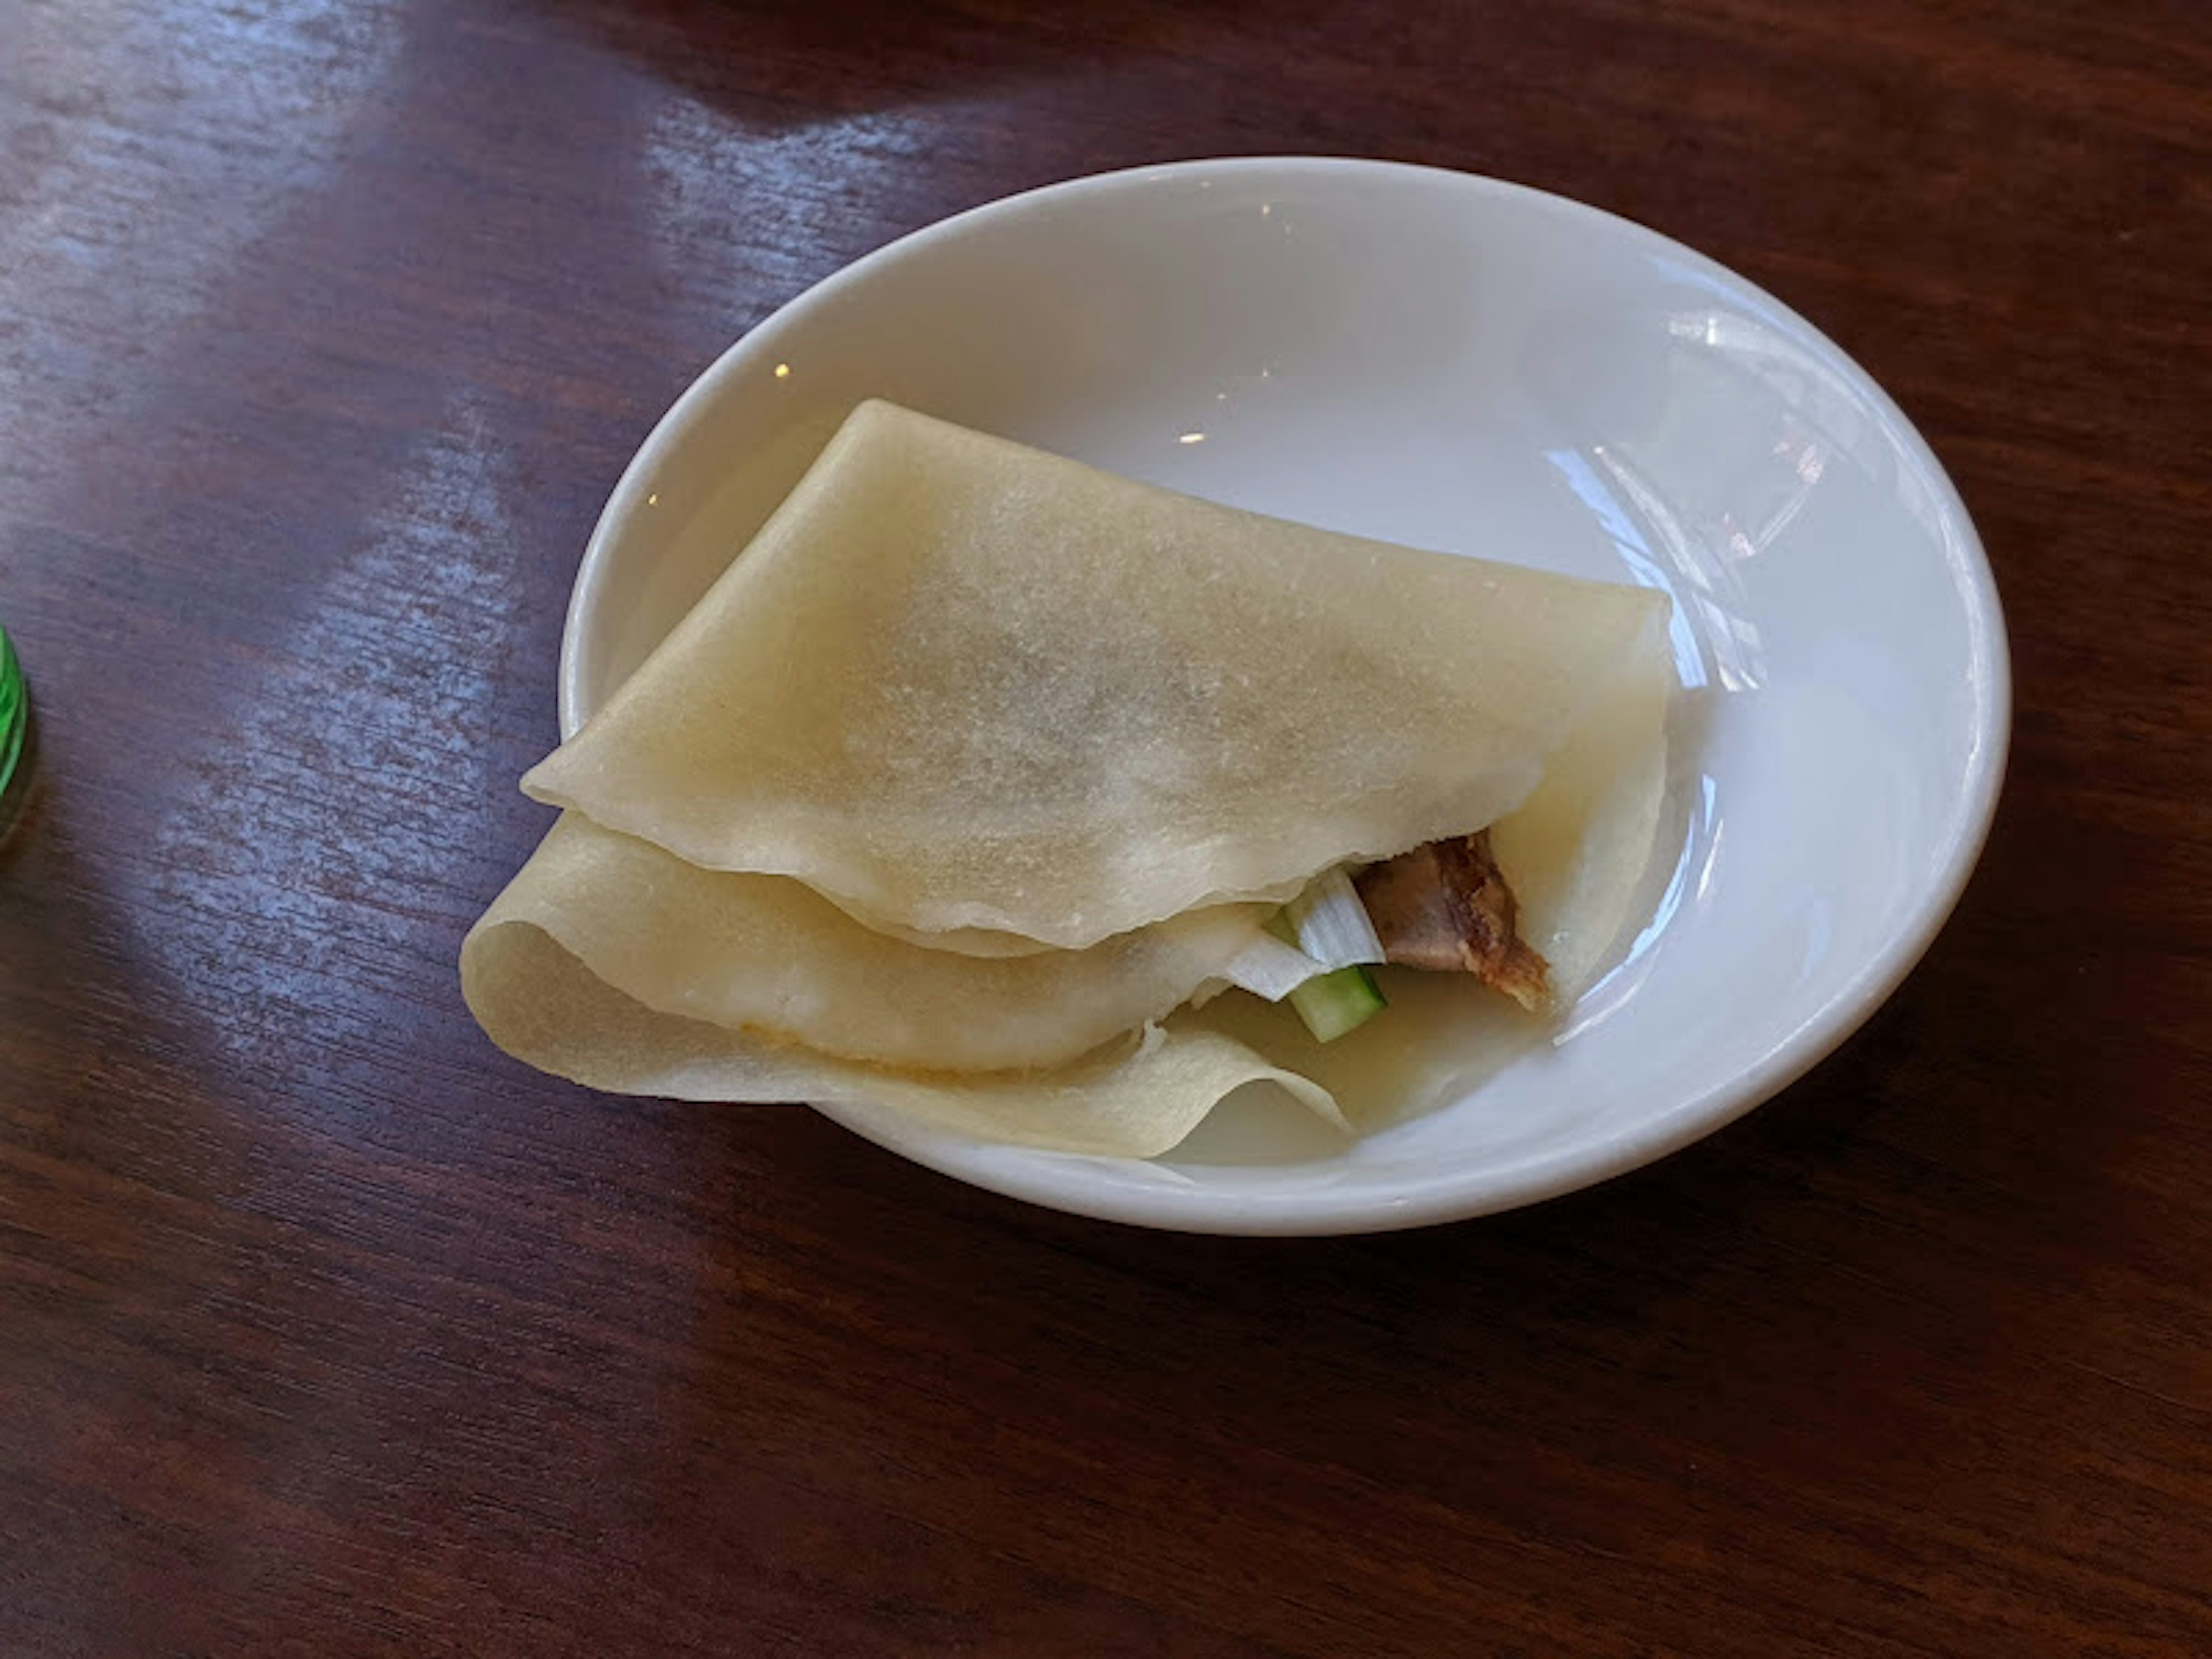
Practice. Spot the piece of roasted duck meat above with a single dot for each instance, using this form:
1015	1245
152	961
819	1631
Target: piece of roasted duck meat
1446	907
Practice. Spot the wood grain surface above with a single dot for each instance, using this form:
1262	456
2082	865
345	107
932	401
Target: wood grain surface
325	329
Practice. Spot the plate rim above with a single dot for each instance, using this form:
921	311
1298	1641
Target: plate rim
1439	1200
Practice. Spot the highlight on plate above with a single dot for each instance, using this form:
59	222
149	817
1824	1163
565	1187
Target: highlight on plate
1051	808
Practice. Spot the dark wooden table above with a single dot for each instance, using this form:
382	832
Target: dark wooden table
326	328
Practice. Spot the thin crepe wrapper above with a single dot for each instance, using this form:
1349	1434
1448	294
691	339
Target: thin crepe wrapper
768	954
978	693
562	981
1575	851
1137	1099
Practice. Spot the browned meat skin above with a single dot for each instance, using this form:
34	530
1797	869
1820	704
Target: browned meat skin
1445	906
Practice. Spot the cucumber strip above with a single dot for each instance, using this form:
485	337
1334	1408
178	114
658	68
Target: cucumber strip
1333	1004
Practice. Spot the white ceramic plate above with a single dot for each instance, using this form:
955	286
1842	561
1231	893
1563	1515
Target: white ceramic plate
1455	364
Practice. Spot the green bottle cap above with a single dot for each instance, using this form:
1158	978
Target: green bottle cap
15	730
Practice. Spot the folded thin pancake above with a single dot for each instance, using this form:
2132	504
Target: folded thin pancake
769	956
615	964
1137	1099
974	692
945	802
